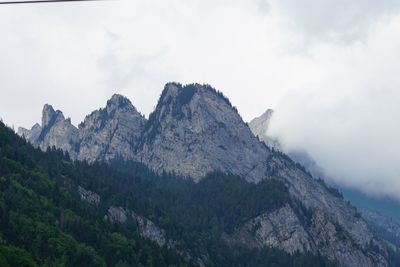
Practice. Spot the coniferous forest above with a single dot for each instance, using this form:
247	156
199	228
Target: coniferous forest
43	222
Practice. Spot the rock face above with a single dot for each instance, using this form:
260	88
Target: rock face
146	227
260	125
111	132
281	229
31	135
88	196
284	230
195	130
106	134
58	132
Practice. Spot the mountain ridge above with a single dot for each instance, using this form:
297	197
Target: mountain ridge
195	130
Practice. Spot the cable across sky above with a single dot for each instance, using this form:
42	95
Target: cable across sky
43	1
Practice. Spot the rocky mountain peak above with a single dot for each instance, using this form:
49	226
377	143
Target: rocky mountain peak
48	114
176	96
173	99
111	132
194	130
171	90
118	101
260	126
56	131
31	135
36	127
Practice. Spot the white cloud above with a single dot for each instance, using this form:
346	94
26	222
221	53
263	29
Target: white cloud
335	20
348	120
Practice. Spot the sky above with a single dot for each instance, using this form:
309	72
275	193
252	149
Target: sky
328	68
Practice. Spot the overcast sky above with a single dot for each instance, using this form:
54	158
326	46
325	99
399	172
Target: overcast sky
329	68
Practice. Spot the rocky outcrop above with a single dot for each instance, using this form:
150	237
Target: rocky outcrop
280	229
111	132
116	215
55	131
284	230
31	135
260	125
195	130
88	196
146	227
58	132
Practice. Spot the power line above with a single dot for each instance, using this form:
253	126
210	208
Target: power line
42	1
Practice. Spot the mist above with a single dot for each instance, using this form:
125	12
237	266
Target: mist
348	117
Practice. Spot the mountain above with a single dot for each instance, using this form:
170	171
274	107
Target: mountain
111	132
194	131
108	133
58	132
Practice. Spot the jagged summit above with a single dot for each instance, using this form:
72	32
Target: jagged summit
31	135
56	131
111	132
183	94
105	134
195	130
116	104
260	126
51	116
48	114
118	101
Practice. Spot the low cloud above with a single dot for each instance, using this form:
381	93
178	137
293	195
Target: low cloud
348	118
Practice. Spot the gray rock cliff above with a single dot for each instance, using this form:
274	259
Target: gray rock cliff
58	132
111	132
260	125
194	130
31	135
106	134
